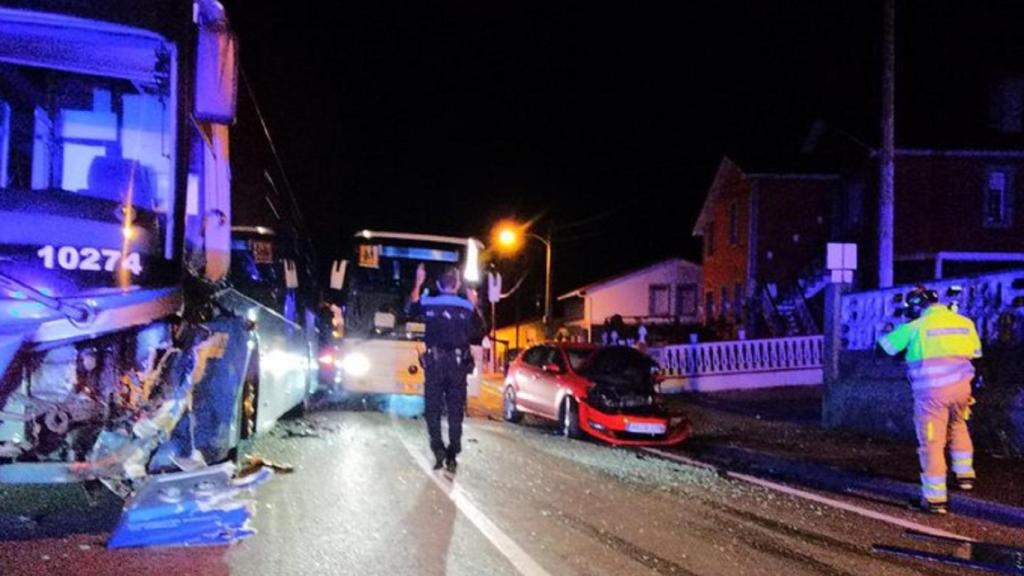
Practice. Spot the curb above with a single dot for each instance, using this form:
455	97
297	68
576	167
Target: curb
841	481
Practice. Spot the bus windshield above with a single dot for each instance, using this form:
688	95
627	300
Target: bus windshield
380	282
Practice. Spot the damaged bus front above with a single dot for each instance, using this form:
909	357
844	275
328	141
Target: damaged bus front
118	355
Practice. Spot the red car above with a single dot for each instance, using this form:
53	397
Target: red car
606	392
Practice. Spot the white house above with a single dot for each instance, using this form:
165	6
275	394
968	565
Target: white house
663	293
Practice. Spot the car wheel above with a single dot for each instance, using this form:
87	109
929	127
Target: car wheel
508	406
570	418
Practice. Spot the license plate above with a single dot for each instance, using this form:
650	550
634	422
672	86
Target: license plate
644	428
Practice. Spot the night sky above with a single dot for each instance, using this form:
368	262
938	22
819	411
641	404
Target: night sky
605	122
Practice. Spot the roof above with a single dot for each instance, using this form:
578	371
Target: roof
619	277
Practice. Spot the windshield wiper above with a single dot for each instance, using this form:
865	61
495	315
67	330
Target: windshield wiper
76	313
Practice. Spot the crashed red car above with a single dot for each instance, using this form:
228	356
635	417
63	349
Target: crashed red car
606	392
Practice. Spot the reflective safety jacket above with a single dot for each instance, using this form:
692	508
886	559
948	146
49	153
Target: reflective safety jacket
940	345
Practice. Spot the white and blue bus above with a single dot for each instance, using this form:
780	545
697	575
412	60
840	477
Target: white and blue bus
381	343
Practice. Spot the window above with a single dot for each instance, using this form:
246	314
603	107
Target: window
686	300
737	298
734	224
554	356
709	305
724	302
535	356
658	303
996	210
709	239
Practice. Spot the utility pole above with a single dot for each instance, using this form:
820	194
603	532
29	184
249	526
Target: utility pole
887	196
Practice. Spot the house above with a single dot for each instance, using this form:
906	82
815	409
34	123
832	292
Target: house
760	228
518	336
660	295
764	232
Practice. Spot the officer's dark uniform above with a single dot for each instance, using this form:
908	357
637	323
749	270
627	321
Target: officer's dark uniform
452	324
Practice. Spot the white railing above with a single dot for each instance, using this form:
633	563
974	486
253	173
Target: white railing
993	301
743	364
740	356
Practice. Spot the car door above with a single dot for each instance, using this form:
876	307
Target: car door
550	381
527	373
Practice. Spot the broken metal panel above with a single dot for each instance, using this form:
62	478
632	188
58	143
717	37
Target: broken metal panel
198	508
217	394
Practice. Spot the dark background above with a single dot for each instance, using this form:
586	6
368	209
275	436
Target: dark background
605	122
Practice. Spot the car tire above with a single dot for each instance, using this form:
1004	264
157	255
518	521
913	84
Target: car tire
569	418
508	406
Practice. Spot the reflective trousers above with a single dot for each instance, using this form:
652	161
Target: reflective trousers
940	419
445	386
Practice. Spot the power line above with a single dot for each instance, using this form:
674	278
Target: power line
296	211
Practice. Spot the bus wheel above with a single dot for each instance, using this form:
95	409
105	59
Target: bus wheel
248	411
246	418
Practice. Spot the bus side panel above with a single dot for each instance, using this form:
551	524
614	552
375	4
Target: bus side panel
217	396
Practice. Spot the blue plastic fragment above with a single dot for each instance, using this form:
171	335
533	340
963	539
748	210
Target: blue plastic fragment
404	405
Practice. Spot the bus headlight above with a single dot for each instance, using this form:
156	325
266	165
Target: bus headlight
356	364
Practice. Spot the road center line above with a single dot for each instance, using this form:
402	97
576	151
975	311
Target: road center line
518	557
853	508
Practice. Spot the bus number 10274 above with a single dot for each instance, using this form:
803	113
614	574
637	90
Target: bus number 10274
89	259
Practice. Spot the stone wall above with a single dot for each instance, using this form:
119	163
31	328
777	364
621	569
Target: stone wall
872	396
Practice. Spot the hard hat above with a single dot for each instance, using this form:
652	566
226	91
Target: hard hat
921	296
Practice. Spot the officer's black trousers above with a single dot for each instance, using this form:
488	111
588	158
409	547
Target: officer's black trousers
445	386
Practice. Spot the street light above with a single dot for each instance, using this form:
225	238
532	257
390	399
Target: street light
509	236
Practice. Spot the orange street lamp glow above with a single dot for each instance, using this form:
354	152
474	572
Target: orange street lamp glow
507	237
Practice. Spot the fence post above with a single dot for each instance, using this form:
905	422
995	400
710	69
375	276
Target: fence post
832	347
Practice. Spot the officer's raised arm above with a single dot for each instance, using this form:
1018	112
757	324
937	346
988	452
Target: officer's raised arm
412	305
417	286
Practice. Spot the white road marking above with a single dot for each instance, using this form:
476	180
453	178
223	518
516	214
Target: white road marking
518	557
867	513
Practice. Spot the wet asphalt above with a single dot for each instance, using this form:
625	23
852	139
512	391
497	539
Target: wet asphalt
524	501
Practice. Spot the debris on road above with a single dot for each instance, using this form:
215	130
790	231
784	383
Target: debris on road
189	509
257	462
303	429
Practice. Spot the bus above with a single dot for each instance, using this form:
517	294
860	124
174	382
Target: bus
274	286
380	341
125	347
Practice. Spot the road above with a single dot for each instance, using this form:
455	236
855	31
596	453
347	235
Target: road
525	501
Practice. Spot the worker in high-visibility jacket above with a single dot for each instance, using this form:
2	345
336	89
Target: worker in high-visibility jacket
939	345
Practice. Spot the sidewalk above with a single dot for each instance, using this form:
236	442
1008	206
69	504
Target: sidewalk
777	433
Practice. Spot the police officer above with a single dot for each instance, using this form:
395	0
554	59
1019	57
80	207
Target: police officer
452	324
939	345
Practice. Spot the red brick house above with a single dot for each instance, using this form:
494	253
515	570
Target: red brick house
764	231
759	231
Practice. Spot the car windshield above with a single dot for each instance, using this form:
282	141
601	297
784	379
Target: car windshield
578	357
618	360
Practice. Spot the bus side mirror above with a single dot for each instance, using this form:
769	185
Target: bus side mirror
338	269
216	66
291	274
